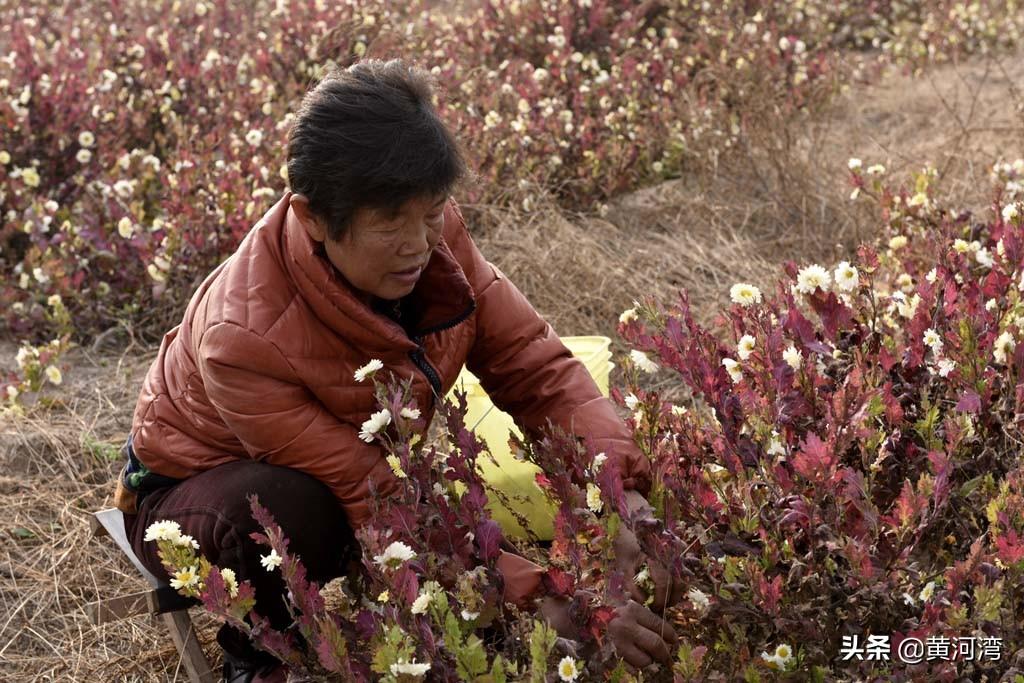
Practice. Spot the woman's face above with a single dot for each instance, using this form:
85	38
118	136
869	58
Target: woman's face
382	254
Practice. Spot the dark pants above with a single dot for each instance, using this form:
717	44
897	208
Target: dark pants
213	509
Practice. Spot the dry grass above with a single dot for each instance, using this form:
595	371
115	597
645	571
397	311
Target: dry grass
784	198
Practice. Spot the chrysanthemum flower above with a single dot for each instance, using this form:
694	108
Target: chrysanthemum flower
898	242
53	374
396	466
394	555
567	669
410	413
377	422
413	668
594	501
164	530
125	228
421	603
932	339
699	599
811	278
272	561
627	316
1004	346
230	581
733	368
745	347
368	369
745	295
641	360
847	277
792	357
187	577
927	592
631	401
83	156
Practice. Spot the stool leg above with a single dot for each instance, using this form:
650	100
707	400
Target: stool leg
192	658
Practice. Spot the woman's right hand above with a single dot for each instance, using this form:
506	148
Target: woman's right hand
640	636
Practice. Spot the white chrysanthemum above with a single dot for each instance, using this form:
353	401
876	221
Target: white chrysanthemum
187	577
272	561
86	139
678	411
927	592
594	501
784	653
164	530
230	581
631	401
421	603
932	276
699	599
377	422
772	661
811	278
384	596
898	242
5	157
368	369
125	228
745	295
12	392
854	164
627	316
946	366
876	169
53	374
254	137
792	357
83	156
124	188
932	339
984	257
641	360
908	307
745	347
567	669
30	177
1010	212
1004	346
599	460
776	447
403	668
961	246
847	277
54	300
733	368
410	413
919	199
186	541
468	615
394	555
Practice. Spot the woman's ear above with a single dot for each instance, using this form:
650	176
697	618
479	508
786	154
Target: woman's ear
314	227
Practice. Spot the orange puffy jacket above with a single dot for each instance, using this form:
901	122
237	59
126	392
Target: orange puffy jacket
262	364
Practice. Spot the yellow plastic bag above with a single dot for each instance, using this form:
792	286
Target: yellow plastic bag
515	479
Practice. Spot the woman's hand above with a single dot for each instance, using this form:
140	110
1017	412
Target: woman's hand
629	559
640	636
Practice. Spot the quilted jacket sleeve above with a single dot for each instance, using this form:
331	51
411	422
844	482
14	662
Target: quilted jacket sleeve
529	373
257	394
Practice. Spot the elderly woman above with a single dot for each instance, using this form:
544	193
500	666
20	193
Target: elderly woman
366	257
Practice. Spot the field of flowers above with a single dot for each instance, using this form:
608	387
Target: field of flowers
846	467
844	462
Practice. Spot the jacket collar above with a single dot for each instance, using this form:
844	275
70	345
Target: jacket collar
441	298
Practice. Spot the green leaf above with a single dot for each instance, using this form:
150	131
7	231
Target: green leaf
542	641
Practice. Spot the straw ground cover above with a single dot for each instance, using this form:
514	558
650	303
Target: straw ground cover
703	233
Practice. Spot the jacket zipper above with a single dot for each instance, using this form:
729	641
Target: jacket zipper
419	356
419	359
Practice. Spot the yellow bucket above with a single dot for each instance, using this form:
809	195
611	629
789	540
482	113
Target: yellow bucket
515	479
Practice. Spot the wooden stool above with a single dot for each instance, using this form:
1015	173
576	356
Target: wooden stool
161	600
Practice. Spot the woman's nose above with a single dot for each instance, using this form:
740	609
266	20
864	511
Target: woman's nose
419	242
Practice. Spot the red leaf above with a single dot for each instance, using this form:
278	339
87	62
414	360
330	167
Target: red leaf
970	402
488	539
559	582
